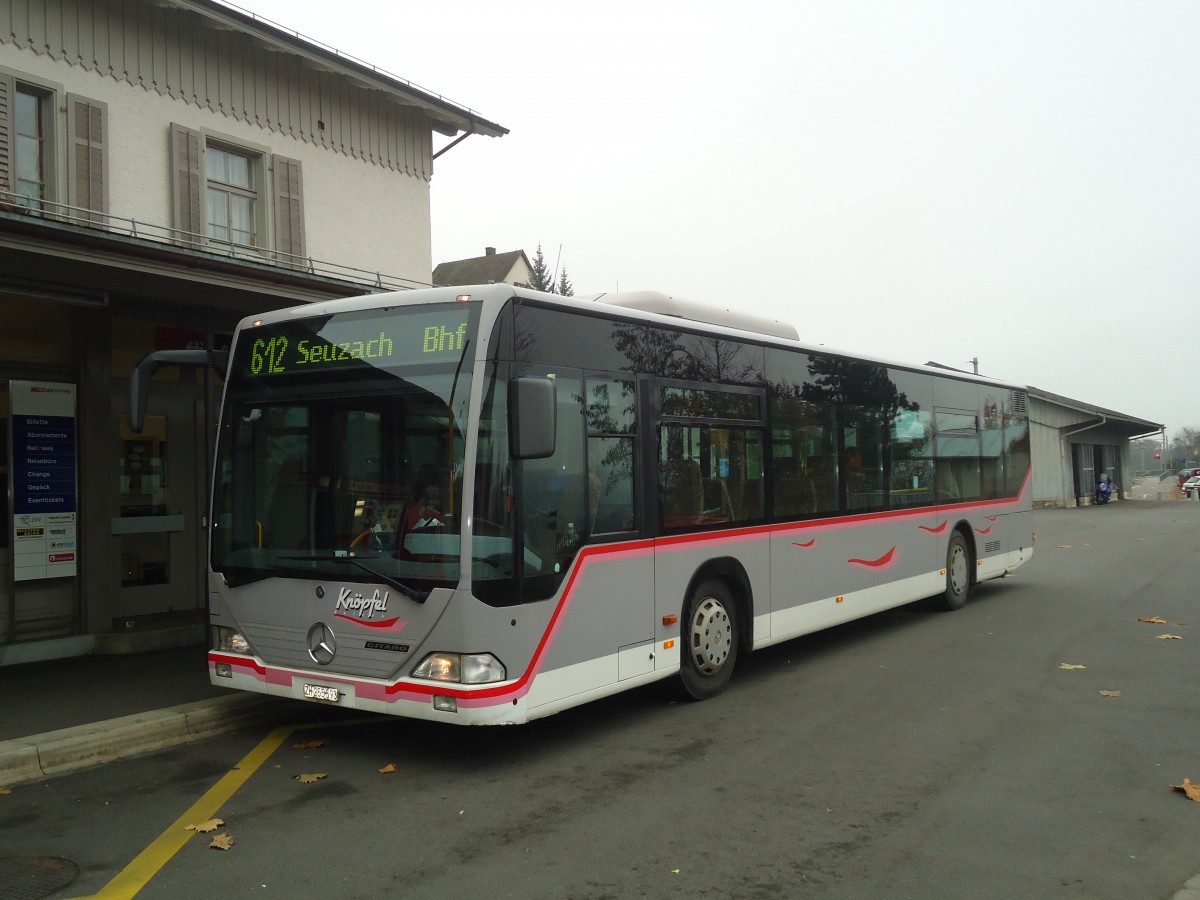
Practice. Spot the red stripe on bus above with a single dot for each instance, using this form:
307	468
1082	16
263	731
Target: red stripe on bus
882	563
382	623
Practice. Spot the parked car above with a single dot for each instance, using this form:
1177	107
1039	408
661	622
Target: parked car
1192	484
1185	474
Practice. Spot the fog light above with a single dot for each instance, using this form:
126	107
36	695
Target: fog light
224	670
443	703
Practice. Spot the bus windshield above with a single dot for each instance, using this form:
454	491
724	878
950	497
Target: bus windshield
341	449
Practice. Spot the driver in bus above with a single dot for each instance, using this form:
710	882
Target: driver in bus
424	508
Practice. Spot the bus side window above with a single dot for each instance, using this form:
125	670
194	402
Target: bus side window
611	412
553	491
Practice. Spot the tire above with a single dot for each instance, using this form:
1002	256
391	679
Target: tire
709	640
958	575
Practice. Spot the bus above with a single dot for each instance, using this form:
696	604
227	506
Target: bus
485	505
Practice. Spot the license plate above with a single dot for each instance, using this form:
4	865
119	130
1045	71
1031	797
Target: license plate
320	692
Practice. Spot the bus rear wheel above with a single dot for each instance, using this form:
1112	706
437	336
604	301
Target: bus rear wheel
710	640
958	575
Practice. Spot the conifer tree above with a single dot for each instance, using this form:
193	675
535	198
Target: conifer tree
564	286
540	279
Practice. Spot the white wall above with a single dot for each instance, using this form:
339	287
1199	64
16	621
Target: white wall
355	213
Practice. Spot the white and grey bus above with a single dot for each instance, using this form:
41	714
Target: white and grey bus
485	505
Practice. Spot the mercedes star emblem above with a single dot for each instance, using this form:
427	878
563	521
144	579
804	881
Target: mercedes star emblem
322	645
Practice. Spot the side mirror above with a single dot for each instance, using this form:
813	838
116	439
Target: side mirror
531	417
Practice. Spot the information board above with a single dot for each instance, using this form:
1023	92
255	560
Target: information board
45	505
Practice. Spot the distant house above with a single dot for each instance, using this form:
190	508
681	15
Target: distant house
492	268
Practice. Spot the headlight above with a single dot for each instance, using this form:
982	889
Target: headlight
230	641
462	668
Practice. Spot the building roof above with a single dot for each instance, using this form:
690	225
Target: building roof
1136	426
491	268
448	118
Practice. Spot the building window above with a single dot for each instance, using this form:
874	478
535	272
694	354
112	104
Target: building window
29	147
225	194
232	196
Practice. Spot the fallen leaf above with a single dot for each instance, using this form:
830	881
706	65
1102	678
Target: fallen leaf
206	827
1070	666
388	769
1169	637
222	842
1191	790
1155	620
4	790
313	744
310	777
1110	693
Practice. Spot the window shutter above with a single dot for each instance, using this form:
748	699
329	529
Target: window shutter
289	213
87	176
6	97
187	185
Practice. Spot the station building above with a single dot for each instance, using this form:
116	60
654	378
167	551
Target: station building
166	168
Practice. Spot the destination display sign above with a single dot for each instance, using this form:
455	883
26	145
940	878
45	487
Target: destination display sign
44	480
388	340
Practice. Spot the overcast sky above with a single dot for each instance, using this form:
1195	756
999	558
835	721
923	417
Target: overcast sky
918	180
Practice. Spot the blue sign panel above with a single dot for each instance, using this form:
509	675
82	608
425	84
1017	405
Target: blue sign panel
45	509
43	464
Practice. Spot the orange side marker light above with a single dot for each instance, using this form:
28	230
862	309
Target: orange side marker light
670	619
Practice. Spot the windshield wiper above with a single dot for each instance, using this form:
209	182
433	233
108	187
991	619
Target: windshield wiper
412	593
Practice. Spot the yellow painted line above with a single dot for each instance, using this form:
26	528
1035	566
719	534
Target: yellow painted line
134	876
150	861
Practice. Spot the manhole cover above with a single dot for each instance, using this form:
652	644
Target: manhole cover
33	877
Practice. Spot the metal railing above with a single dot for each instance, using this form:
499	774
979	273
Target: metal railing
179	239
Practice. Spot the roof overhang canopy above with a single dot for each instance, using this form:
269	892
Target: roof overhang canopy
448	118
1097	416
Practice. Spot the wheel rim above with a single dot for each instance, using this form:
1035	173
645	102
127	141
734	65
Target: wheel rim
958	569
710	636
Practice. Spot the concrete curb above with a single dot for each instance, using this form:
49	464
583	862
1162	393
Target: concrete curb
71	749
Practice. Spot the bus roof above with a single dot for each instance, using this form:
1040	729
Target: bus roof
653	306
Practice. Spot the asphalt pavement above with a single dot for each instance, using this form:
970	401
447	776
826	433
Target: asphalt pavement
64	715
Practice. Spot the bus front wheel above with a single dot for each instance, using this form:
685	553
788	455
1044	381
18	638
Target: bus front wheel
710	640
